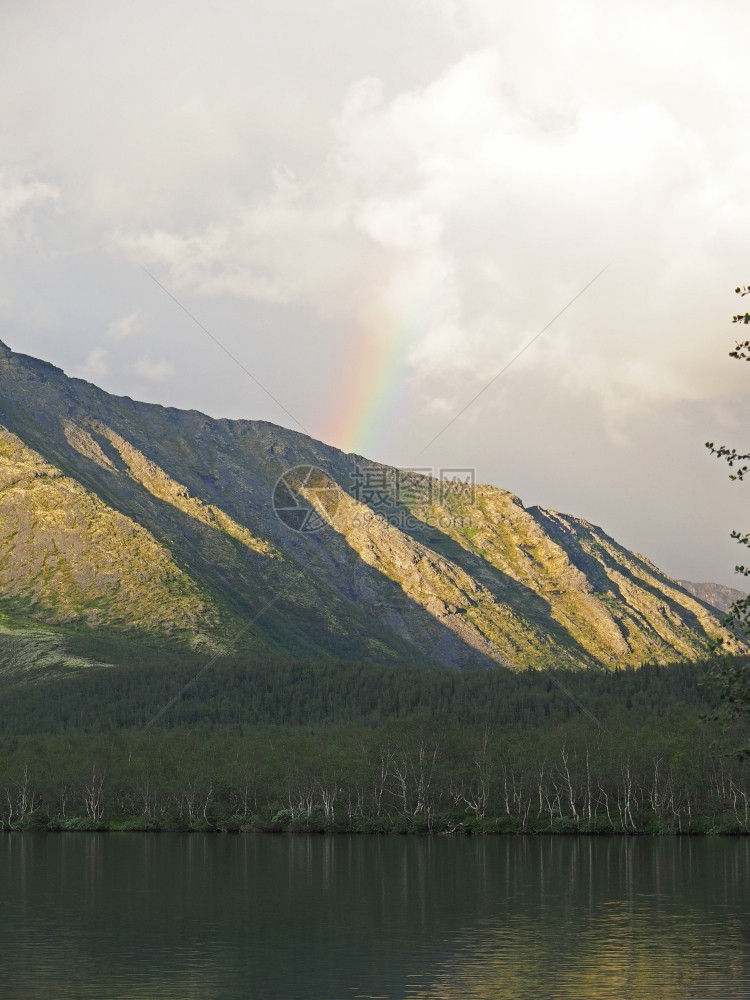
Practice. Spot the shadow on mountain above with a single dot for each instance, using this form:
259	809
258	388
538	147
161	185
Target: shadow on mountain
593	568
321	598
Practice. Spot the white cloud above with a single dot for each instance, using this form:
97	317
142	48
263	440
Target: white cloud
123	327
18	200
96	363
15	196
465	203
154	371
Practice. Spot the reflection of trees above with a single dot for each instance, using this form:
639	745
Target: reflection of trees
399	917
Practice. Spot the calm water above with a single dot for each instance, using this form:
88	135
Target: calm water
168	916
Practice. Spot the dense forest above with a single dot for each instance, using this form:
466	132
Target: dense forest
338	746
238	691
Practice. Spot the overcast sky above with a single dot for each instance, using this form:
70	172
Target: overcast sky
375	205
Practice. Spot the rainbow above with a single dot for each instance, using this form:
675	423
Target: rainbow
375	385
375	379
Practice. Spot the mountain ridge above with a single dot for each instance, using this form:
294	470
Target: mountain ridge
715	594
120	514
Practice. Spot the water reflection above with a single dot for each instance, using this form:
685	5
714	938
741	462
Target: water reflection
609	919
146	916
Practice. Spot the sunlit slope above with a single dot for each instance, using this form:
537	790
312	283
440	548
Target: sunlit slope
31	651
614	603
126	515
69	556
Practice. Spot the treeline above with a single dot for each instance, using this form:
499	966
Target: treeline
667	774
164	742
235	691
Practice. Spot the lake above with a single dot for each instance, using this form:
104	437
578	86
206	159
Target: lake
144	916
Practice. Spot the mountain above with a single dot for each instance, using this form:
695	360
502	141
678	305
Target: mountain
715	594
124	517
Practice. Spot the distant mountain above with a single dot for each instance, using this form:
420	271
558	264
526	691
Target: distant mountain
714	594
149	521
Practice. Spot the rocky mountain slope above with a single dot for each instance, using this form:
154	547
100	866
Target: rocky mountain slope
225	534
715	594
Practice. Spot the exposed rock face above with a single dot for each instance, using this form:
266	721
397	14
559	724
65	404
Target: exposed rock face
714	594
123	514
